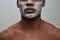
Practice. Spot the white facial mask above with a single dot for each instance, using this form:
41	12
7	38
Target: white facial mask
37	6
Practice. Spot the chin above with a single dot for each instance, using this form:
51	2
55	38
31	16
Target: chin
32	18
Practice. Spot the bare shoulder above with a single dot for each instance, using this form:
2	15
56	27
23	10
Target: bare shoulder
8	33
51	28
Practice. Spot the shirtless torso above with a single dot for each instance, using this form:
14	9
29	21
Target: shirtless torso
27	30
46	32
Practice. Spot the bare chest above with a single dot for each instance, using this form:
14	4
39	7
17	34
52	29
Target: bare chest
34	36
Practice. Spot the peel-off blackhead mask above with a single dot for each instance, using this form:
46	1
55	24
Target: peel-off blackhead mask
37	6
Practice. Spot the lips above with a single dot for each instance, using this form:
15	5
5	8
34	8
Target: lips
29	10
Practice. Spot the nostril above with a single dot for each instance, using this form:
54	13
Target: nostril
29	4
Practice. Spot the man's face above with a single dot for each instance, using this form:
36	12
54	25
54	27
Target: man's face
30	8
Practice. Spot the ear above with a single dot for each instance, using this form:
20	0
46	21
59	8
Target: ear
43	4
17	4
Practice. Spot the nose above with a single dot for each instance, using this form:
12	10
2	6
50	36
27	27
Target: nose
29	4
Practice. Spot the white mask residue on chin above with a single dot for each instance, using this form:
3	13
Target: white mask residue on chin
37	6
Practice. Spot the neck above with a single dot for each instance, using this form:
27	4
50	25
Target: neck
31	24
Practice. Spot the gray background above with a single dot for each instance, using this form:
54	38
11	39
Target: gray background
9	13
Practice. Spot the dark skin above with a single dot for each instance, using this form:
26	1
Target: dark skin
31	29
